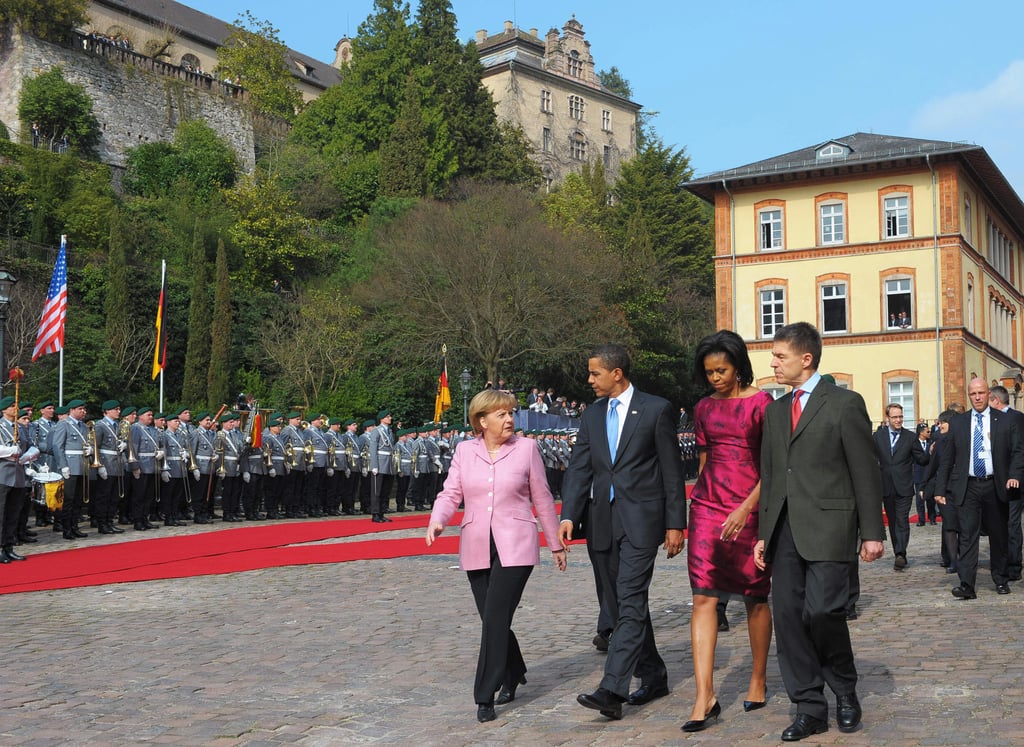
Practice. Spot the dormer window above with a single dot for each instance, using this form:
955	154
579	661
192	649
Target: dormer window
575	64
832	151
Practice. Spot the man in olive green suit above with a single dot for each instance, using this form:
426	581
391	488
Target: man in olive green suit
821	494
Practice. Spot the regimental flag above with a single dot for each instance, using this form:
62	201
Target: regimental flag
50	338
443	400
160	351
257	429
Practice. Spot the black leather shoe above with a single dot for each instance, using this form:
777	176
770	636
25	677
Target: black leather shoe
114	529
79	533
27	539
600	642
30	533
200	520
900	563
4	559
10	554
700	724
103	530
140	526
378	519
508	694
605	701
963	591
646	693
847	712
1002	588
150	525
804	726
723	622
485	713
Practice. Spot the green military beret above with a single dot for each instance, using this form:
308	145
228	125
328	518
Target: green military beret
27	405
6	402
179	412
125	411
144	410
349	422
228	417
368	422
24	413
294	414
71	405
159	416
46	403
383	414
62	410
110	404
276	418
171	416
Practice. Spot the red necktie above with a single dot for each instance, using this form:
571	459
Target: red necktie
797	408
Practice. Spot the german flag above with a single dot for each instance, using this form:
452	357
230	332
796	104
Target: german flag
160	351
443	400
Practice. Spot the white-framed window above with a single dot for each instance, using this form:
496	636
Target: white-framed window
770	228
833	222
833	308
899	302
901	392
897	216
546	140
775	392
545	102
576	107
970	306
967	219
773	310
579	148
606	120
832	150
574	64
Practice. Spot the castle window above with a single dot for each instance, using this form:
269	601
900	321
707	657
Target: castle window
833	307
896	210
770	222
574	64
545	102
606	120
576	107
899	298
832	216
773	310
608	159
579	148
546	142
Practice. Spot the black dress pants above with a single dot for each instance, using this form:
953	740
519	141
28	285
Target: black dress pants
982	507
497	591
809	607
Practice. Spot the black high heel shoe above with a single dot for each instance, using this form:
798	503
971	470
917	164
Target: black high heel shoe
753	705
702	724
507	695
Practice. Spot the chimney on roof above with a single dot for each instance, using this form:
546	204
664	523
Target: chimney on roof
533	33
509	26
481	35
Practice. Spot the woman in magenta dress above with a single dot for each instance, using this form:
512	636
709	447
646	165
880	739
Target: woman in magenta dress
723	518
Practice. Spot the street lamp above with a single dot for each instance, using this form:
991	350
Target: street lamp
465	379
7	281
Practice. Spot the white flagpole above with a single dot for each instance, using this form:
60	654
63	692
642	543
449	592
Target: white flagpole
161	390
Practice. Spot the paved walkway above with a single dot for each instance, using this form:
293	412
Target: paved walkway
384	652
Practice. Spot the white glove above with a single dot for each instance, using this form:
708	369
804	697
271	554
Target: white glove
245	476
122	446
365	473
287	468
348	473
330	471
437	462
375	471
165	476
29	471
273	472
103	473
195	475
136	473
86	449
309	468
65	472
160	454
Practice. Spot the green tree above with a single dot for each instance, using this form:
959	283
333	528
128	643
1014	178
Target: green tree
218	379
614	81
254	55
403	157
15	201
196	166
62	110
200	316
53	20
130	348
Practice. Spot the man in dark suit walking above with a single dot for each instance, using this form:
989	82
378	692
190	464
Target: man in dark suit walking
980	470
898	451
624	483
820	495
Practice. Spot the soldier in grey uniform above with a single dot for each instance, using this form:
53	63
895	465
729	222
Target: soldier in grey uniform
420	468
39	436
315	486
69	446
202	443
434	466
229	446
13	481
352	462
295	466
146	442
174	471
381	445
109	484
364	465
273	485
335	467
404	450
254	475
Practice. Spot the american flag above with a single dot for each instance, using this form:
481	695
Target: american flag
51	327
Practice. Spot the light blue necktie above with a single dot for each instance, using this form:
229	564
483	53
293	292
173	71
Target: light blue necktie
613	437
979	445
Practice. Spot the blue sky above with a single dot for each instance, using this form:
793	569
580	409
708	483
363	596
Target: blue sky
744	81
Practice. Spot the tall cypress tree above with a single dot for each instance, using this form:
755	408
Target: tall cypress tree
219	378
200	314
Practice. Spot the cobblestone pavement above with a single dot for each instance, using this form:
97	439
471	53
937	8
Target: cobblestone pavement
384	652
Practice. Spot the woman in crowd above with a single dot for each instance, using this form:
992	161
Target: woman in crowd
498	476
723	518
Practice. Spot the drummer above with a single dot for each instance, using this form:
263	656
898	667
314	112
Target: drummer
12	480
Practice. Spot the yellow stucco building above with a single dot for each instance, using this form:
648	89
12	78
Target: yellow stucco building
904	253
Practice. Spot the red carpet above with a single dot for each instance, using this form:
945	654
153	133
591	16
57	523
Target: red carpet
224	551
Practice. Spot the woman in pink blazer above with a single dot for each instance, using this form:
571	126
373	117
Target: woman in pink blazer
498	476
